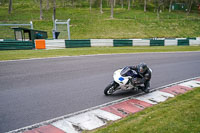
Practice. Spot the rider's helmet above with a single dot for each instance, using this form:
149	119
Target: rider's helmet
142	68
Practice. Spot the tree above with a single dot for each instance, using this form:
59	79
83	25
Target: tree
54	10
145	5
72	3
108	2
159	4
129	4
63	3
47	4
101	10
122	3
2	2
90	5
112	6
189	6
133	2
10	7
170	5
41	13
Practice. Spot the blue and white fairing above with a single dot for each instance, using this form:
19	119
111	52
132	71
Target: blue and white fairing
122	77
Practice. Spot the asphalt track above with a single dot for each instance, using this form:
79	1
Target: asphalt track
36	90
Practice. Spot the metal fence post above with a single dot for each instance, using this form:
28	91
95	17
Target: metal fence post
68	28
31	23
55	28
61	22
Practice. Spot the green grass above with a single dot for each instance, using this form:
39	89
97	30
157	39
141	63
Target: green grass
26	54
177	115
87	25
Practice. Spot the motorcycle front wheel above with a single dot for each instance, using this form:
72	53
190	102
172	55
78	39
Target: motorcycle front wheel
111	88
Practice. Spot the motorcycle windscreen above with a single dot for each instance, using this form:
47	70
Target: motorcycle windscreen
128	72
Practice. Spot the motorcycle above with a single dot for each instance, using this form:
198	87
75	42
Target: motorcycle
124	79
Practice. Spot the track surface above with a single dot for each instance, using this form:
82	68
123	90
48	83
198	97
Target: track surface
32	91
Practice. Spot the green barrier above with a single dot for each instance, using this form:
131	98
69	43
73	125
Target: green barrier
184	42
10	40
77	43
123	43
192	38
157	42
15	45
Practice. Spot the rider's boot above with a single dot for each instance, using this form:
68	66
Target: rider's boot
146	88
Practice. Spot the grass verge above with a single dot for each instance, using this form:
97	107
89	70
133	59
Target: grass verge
27	54
86	24
177	115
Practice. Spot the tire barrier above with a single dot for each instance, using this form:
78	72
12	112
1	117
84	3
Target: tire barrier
61	43
15	45
132	42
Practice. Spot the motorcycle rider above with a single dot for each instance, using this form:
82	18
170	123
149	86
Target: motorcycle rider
144	73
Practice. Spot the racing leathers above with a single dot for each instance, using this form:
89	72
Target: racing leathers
144	77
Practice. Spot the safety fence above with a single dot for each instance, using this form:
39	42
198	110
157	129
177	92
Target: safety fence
61	43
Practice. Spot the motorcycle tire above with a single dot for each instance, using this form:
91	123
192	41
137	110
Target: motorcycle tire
110	89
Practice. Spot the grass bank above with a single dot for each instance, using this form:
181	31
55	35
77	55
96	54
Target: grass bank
27	54
177	115
86	24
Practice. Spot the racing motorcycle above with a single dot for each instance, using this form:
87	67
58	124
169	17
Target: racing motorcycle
124	79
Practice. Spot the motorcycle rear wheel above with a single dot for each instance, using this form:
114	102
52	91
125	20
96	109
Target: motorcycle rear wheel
111	88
